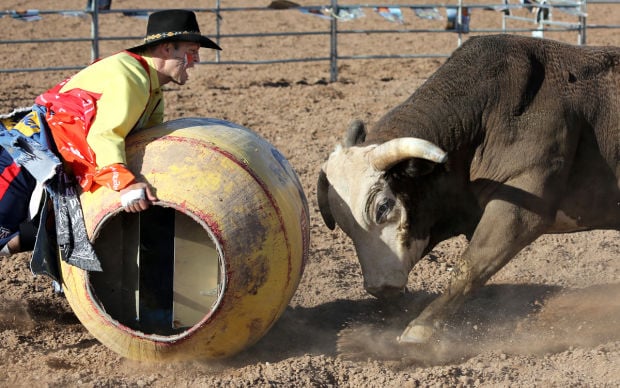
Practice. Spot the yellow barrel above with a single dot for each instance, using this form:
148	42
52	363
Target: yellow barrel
207	271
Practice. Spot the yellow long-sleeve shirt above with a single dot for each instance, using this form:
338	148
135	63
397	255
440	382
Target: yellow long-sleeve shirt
129	100
104	101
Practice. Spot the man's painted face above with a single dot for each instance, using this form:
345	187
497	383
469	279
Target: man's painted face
184	56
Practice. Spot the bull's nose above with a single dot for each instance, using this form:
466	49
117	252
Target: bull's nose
386	292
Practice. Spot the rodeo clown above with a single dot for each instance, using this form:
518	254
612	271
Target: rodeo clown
75	135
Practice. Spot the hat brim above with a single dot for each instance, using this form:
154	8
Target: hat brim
203	40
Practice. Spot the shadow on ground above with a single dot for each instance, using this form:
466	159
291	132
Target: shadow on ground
505	318
523	319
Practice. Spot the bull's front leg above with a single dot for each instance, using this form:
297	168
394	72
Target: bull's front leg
503	231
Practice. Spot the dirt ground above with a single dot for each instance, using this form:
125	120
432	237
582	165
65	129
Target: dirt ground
549	318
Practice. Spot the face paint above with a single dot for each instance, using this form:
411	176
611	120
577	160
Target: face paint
189	59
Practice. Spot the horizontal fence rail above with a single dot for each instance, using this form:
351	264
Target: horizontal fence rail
539	17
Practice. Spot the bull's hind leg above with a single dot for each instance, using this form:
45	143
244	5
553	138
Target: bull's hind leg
504	229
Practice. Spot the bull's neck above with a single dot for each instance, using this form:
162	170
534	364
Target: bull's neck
441	119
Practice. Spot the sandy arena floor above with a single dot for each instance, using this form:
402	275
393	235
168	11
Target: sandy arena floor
549	318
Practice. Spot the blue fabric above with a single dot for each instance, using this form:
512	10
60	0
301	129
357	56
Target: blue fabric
15	200
35	154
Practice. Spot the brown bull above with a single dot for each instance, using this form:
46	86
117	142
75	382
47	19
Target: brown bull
511	138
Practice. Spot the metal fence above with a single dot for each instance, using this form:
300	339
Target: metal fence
539	18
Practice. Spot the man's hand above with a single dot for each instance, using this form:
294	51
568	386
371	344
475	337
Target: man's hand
137	197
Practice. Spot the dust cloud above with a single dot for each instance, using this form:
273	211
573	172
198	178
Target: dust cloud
566	319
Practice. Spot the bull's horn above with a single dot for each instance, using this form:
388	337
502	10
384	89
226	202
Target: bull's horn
389	153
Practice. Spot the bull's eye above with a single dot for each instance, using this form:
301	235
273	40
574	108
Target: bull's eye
383	210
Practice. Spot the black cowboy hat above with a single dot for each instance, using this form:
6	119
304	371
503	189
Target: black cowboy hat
174	25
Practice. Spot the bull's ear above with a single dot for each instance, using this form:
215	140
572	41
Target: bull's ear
322	191
356	133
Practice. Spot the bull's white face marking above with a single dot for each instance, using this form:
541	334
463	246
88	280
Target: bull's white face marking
365	208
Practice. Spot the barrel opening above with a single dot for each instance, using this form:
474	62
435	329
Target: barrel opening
161	270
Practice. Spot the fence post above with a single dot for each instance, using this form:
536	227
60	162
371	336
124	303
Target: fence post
459	23
94	30
333	49
583	15
217	29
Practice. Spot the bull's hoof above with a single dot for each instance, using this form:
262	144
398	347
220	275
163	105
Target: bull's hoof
416	334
